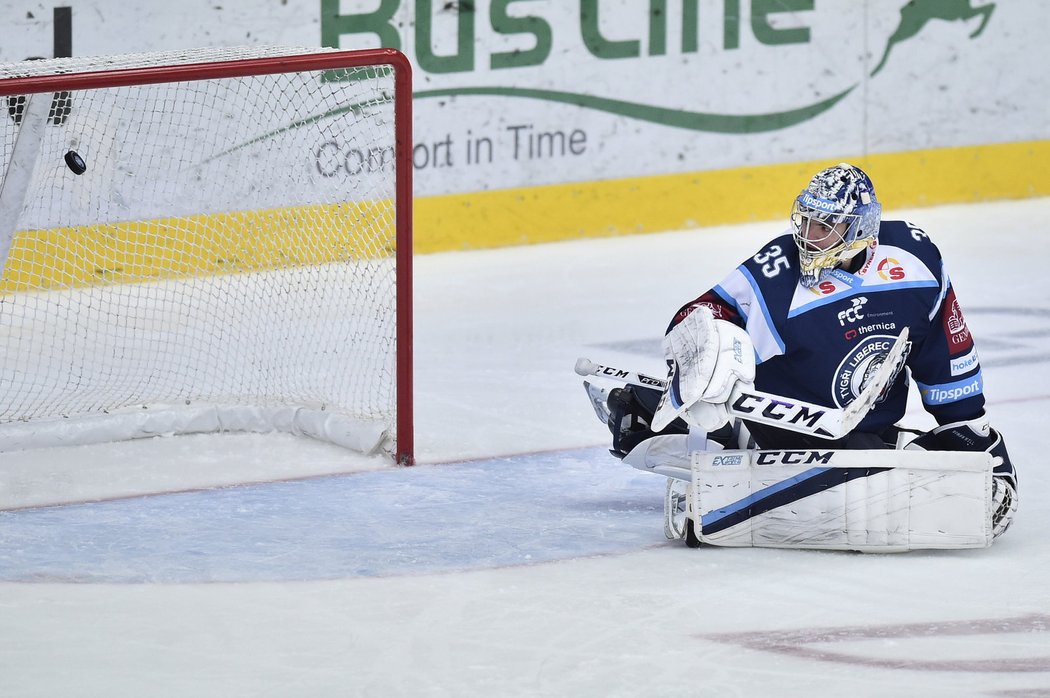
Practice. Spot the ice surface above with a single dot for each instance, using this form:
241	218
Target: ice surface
519	558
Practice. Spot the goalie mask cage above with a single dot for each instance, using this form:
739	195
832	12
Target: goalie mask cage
208	240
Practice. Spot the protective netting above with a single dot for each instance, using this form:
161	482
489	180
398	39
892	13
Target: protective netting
230	246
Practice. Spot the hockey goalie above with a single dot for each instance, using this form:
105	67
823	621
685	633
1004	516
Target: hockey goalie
777	424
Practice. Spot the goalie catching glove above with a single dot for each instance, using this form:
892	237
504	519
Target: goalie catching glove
706	359
978	435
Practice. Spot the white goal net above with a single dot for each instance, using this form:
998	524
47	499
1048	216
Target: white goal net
209	240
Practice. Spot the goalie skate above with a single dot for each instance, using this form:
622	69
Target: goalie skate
676	515
599	398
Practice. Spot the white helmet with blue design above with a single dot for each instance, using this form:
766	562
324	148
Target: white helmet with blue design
834	218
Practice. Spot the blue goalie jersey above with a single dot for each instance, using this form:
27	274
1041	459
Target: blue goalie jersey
820	344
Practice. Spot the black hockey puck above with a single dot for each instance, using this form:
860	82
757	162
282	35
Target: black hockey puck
75	162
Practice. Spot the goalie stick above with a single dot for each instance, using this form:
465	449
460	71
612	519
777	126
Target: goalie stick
779	411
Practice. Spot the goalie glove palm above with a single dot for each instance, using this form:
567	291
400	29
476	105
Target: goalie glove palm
706	359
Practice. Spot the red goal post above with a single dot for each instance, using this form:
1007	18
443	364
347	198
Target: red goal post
235	254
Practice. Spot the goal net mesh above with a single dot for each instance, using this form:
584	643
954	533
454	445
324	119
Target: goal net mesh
226	261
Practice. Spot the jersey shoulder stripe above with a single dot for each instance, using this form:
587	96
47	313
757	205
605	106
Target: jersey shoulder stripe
743	292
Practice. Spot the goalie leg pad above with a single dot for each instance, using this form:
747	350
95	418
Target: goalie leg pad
978	435
870	501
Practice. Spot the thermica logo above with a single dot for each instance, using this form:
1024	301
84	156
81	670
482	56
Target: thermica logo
507	35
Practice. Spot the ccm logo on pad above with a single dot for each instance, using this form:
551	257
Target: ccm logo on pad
793	457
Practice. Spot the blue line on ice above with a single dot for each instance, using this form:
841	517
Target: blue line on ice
493	513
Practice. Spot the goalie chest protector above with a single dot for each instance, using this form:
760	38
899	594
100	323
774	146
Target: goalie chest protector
821	344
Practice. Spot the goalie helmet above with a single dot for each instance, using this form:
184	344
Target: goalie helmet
834	218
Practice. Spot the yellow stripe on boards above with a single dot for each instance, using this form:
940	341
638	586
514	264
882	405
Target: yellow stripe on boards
269	239
719	197
204	245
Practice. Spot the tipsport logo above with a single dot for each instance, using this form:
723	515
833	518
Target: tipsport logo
813	202
952	392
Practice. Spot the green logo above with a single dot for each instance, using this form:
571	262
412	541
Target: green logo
381	23
918	13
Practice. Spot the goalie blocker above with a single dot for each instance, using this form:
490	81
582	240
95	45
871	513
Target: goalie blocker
869	501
